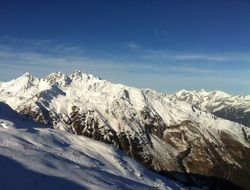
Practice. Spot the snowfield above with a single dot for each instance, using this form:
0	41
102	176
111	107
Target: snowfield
35	157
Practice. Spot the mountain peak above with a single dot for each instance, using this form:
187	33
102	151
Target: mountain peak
25	78
182	92
58	77
77	74
202	91
57	74
25	75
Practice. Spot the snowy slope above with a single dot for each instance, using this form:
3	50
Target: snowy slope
35	157
165	133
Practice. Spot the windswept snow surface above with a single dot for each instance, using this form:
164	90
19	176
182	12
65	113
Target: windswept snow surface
35	157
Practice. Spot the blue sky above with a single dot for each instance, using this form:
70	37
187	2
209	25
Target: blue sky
166	45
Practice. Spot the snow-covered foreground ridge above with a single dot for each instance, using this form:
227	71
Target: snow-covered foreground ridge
175	134
35	157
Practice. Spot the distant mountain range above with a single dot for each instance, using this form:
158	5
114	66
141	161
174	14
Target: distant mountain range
196	137
221	104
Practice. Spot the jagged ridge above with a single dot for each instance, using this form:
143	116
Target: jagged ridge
161	131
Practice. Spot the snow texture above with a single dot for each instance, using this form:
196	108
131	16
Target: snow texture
35	157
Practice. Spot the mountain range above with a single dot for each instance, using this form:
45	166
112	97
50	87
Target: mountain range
198	138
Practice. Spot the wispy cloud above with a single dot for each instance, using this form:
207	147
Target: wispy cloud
200	57
38	45
187	56
74	61
133	45
158	69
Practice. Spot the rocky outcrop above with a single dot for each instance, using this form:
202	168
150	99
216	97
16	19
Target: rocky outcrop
226	159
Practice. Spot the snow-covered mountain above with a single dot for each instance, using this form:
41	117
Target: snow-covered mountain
166	133
234	108
33	156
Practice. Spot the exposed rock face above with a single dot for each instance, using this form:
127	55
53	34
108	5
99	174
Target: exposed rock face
225	157
166	134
